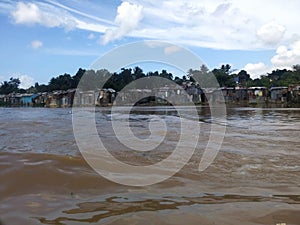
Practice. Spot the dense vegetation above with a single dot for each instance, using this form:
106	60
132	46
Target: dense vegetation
118	81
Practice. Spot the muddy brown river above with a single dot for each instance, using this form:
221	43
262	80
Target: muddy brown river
254	179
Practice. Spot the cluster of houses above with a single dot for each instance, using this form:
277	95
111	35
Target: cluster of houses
262	95
59	99
171	94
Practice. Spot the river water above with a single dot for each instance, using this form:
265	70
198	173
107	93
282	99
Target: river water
254	179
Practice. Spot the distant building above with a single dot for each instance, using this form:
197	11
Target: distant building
60	99
103	97
294	94
28	99
106	97
278	94
257	95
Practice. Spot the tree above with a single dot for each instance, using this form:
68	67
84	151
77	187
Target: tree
62	82
77	77
10	86
138	73
223	77
178	80
204	69
288	78
243	78
190	74
225	68
166	75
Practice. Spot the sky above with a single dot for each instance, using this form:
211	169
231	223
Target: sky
46	38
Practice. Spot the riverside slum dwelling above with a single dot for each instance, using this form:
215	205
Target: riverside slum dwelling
167	94
103	97
58	99
294	94
278	95
227	95
28	100
257	95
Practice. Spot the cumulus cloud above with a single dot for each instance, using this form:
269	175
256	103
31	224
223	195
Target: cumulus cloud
287	56
27	13
128	18
171	49
271	33
218	24
26	81
36	44
46	15
256	69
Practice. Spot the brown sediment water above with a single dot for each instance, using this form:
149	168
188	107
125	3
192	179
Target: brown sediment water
253	180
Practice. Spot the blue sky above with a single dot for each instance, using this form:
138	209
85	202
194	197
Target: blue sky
43	39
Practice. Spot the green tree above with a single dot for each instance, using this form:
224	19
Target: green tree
166	75
10	86
223	77
138	73
77	77
204	69
244	78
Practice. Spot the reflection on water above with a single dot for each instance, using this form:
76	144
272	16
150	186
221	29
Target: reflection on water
254	179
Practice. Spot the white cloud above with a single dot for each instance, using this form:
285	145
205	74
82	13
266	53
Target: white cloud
36	44
271	33
284	58
128	18
218	24
287	56
27	13
171	49
91	36
257	69
42	14
26	81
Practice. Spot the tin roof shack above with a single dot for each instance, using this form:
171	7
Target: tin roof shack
68	98
60	99
210	94
196	93
157	96
2	100
229	94
241	95
28	99
106	97
53	99
174	94
257	95
86	98
40	99
234	95
295	94
13	99
278	94
135	96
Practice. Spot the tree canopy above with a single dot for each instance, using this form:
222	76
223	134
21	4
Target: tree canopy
10	86
118	80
